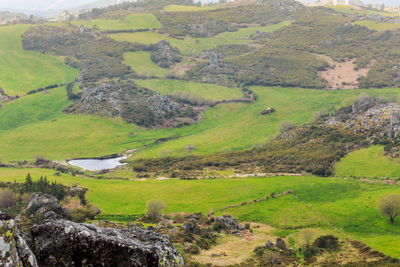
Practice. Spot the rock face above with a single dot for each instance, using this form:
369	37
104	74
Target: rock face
229	222
13	249
45	207
64	243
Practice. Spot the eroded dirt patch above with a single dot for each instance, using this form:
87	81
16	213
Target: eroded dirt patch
233	250
343	75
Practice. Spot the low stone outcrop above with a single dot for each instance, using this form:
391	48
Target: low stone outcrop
228	222
45	207
64	243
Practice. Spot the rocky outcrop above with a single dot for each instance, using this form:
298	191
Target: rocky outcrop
228	222
164	55
45	207
64	243
13	249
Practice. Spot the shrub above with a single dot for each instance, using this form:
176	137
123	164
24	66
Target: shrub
390	206
7	198
327	241
154	210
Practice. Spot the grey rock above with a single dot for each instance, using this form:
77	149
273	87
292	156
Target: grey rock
280	243
13	249
191	226
64	243
228	222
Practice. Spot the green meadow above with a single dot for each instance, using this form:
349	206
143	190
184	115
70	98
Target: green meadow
142	64
131	22
22	71
318	202
207	91
376	26
35	125
368	162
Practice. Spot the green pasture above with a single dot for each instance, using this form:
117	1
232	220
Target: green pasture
131	22
368	162
349	208
36	126
22	71
142	64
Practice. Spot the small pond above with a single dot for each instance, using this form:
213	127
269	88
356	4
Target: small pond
97	164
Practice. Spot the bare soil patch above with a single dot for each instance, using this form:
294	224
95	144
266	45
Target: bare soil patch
343	75
232	250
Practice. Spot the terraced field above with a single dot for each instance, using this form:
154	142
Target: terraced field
22	71
131	22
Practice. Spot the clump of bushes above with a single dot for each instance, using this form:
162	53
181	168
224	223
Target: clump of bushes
154	209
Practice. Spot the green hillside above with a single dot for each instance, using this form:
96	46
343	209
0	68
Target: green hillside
22	71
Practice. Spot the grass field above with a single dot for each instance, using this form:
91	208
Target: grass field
376	26
35	125
209	92
131	22
318	202
368	162
142	64
22	71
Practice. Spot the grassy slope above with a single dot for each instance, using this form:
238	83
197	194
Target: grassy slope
239	126
355	11
207	91
132	22
141	63
321	202
246	32
373	25
368	162
187	46
22	71
35	125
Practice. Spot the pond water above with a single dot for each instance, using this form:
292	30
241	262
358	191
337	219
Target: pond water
97	164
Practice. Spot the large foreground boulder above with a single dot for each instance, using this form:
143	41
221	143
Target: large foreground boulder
13	249
64	243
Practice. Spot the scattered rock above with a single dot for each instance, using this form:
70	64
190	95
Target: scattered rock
228	222
191	226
